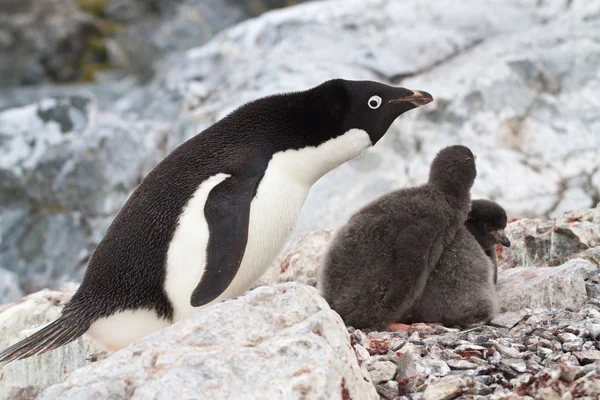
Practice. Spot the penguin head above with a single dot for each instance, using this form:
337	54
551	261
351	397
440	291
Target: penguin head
486	222
340	105
373	106
453	170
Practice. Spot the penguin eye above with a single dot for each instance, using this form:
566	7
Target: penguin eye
488	227
374	102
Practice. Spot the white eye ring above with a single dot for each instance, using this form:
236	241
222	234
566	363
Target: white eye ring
374	102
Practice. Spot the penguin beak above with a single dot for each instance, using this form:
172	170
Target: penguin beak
501	237
418	98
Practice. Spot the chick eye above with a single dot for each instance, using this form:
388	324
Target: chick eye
488	227
374	102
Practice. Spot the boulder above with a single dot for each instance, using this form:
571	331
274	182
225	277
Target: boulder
21	319
10	290
65	168
533	287
300	261
276	342
537	242
41	39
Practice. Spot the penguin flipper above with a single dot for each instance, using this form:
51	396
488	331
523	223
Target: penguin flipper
227	212
416	256
52	336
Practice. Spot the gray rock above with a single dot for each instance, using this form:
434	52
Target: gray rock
27	316
461	364
517	364
299	261
295	345
530	287
507	319
507	351
10	291
381	371
548	243
412	364
447	388
40	40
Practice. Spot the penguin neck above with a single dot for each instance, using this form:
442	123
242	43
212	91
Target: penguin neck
308	164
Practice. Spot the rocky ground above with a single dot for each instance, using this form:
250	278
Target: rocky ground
544	343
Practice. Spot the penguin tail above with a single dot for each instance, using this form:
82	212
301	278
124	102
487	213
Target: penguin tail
58	333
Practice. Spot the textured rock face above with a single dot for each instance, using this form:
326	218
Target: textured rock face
19	320
300	261
39	38
65	168
526	287
514	101
550	243
508	98
275	342
69	40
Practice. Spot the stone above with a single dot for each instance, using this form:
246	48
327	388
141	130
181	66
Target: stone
65	163
507	351
551	242
460	364
530	287
299	261
507	319
382	371
447	388
517	364
296	345
42	40
10	291
389	390
587	356
412	364
572	346
27	316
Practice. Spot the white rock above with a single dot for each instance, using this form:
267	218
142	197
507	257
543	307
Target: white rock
531	287
27	316
275	342
382	371
447	388
299	261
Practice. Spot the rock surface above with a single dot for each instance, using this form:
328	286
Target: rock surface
19	320
275	342
532	124
526	287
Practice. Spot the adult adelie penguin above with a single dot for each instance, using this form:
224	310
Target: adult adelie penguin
377	264
461	289
206	222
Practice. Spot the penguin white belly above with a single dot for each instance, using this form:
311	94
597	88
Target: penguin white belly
273	214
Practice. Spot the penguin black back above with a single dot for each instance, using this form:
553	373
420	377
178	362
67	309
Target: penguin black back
128	269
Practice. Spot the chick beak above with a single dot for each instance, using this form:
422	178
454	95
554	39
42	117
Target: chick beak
501	237
418	98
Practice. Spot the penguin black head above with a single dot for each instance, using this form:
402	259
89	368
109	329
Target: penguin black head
366	105
453	170
486	223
